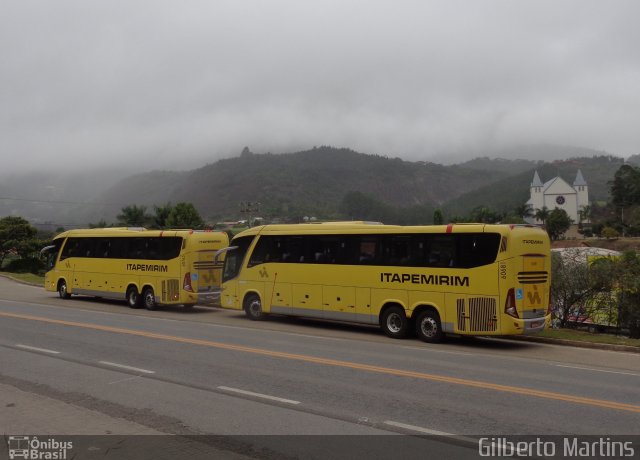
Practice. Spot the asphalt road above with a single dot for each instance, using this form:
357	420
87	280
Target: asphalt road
211	371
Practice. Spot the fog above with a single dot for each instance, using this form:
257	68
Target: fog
166	84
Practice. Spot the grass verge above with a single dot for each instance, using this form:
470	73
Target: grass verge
25	277
584	336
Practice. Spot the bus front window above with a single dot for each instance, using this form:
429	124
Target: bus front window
50	253
234	258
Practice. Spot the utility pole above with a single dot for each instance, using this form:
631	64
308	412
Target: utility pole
249	207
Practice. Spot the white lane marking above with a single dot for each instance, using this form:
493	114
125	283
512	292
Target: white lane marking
418	428
122	366
43	350
597	370
437	351
258	395
124	380
428	431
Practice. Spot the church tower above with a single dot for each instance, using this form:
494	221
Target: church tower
582	190
537	197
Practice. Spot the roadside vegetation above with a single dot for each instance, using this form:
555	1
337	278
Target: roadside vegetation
585	336
29	278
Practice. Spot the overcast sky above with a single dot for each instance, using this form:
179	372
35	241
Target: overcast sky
146	83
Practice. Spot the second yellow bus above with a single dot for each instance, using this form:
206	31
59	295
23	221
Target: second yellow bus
467	279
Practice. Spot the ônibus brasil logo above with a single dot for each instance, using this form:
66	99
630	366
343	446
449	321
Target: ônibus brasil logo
32	448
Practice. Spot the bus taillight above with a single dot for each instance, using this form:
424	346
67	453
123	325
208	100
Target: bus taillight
186	284
510	304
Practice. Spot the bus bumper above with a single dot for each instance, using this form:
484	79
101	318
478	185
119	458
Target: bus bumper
209	298
533	326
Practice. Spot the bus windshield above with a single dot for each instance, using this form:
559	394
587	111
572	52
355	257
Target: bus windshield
234	258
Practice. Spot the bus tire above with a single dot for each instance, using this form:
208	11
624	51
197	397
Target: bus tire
429	327
394	322
189	306
133	298
62	290
149	299
253	307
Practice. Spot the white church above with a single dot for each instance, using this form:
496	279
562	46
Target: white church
557	193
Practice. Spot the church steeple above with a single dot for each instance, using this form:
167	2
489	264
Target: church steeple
536	180
579	179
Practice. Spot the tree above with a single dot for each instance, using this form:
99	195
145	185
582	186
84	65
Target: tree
542	214
629	292
437	217
100	224
523	211
161	215
557	223
184	215
609	232
625	189
133	216
14	231
571	287
584	213
485	215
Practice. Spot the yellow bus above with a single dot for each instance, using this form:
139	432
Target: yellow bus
467	279
144	267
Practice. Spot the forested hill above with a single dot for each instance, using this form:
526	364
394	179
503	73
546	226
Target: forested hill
314	182
311	182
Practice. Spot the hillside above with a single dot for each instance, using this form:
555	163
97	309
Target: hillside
311	182
58	197
506	194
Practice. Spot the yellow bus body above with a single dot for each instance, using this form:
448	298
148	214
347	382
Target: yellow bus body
507	294
145	267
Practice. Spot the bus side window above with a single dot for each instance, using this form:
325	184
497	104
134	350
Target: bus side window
103	245
442	251
66	250
118	248
151	251
396	250
260	252
367	251
136	248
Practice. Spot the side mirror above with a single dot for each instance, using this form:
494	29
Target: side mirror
216	257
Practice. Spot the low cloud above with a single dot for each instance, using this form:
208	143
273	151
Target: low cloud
157	84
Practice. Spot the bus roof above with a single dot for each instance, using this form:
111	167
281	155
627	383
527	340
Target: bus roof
363	227
130	231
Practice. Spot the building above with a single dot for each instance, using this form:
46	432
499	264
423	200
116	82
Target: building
557	193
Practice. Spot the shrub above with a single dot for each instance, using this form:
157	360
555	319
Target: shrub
28	265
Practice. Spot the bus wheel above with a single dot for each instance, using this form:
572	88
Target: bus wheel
428	327
253	307
148	299
62	290
394	322
133	299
